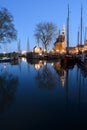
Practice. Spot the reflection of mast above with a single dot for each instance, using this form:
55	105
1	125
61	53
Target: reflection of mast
20	65
78	84
79	95
28	66
67	89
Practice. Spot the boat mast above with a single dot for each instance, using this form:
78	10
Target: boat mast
78	41
68	31
19	48
28	47
81	28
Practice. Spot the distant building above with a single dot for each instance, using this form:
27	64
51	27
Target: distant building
85	45
38	50
81	48
72	50
60	44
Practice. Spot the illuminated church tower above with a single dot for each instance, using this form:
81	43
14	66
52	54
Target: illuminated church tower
60	44
63	30
63	34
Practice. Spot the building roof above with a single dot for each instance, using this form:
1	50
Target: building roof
37	47
80	45
61	38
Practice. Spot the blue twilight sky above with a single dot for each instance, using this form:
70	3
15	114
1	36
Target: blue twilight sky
27	13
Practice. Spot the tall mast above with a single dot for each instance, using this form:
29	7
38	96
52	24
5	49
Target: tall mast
78	38
78	41
68	31
19	48
81	28
28	47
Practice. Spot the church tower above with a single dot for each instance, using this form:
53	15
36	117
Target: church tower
60	44
63	29
63	35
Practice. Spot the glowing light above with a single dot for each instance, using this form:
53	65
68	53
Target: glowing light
52	63
4	52
24	59
37	66
44	62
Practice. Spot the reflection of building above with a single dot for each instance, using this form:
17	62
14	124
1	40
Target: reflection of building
60	44
38	65
38	50
57	65
63	78
61	72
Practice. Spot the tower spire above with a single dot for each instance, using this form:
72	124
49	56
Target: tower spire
63	29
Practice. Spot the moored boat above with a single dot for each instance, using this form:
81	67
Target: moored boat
5	59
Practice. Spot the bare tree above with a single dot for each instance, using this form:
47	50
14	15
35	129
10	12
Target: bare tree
45	33
7	29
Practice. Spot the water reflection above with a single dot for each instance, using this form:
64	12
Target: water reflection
38	65
14	62
48	94
81	87
8	86
46	77
60	71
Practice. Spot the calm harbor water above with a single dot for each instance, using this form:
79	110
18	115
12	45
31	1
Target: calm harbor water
40	95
